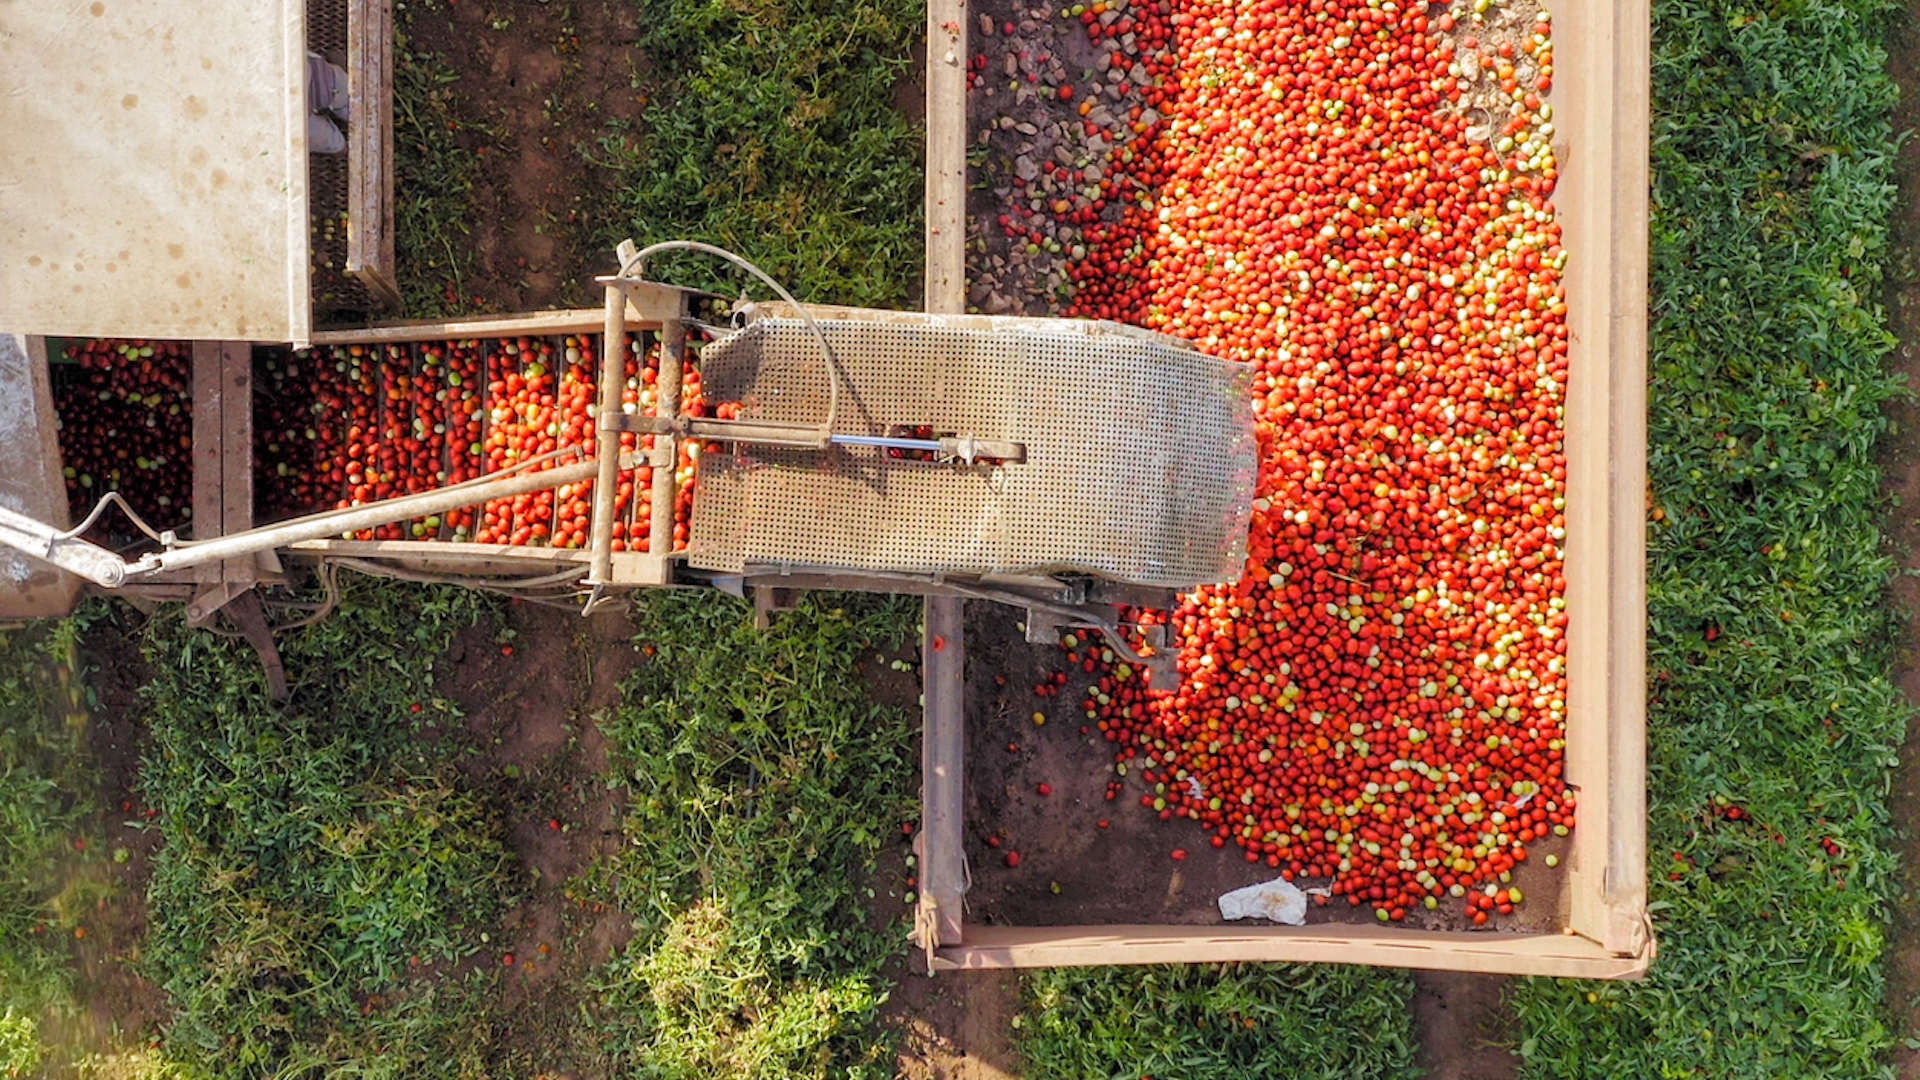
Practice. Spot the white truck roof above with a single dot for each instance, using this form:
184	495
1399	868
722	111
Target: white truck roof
153	169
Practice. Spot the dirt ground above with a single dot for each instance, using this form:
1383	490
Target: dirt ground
542	760
106	887
539	82
1901	461
956	1026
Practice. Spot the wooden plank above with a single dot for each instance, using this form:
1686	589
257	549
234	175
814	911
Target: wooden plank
370	245
222	464
1072	946
209	431
1601	97
1628	927
236	458
946	184
943	749
666	403
943	651
568	321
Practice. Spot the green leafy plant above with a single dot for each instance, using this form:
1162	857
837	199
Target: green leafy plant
46	804
1217	1021
772	132
434	200
763	783
320	861
19	1044
1773	723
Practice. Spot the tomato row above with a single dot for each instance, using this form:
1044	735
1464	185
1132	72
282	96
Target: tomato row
125	415
372	422
1381	699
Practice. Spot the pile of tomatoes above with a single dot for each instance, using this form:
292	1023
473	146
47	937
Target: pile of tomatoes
125	413
354	424
1353	197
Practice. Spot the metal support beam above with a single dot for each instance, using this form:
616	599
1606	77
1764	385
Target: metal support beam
943	743
943	746
613	380
354	519
666	404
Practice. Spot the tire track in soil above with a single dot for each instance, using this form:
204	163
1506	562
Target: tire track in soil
545	80
1464	1027
543	759
1900	460
119	1007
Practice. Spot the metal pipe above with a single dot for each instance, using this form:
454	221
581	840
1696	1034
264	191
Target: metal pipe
886	442
353	519
613	379
943	747
44	542
666	403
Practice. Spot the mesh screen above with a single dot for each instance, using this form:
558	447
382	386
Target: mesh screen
1140	452
336	293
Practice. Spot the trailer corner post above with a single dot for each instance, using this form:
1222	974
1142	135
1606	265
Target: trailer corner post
613	380
943	746
666	448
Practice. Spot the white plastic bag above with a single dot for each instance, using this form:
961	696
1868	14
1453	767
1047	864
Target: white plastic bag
1277	900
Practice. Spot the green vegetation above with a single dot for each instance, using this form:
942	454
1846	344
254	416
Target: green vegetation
324	869
763	785
1770	637
772	132
1218	1022
434	198
46	804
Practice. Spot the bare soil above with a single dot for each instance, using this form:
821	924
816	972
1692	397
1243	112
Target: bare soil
955	1026
539	84
1901	461
542	759
1465	1029
119	1009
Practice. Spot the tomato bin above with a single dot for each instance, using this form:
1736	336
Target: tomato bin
1423	228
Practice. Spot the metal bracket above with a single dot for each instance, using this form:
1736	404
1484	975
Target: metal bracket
209	600
639	423
768	599
969	449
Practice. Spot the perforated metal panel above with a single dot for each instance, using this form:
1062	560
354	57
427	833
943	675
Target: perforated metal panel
1140	451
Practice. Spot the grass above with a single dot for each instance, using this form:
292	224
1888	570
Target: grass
772	132
1772	163
763	786
46	803
1218	1022
324	872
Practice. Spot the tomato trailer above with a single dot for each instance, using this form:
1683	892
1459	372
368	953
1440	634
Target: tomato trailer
889	451
1601	101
